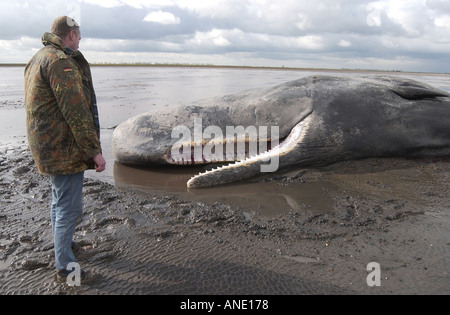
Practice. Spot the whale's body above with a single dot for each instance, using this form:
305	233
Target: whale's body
318	120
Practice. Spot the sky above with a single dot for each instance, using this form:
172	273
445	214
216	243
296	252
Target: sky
394	35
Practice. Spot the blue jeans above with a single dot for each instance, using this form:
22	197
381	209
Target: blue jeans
67	207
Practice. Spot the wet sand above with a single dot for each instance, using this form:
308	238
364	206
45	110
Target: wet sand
301	231
393	212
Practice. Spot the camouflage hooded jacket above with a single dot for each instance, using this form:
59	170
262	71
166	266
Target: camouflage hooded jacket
62	121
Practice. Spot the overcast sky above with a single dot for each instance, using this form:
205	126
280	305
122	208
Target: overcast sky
407	35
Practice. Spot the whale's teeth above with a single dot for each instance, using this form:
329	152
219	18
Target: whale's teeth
284	148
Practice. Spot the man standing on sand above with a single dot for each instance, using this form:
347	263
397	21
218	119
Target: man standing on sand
63	129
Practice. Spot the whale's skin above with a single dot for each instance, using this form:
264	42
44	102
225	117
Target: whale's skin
322	120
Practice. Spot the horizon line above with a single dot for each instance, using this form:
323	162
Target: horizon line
188	65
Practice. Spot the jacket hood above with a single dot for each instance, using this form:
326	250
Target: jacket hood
52	39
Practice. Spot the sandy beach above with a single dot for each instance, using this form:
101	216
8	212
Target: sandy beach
315	232
159	244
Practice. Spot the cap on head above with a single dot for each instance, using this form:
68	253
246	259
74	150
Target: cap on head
63	25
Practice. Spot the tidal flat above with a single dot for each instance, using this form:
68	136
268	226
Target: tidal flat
300	231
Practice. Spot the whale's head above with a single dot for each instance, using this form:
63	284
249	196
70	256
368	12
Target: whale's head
247	123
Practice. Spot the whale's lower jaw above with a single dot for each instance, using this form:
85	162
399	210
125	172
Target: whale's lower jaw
266	162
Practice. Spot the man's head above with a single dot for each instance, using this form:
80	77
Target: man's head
68	30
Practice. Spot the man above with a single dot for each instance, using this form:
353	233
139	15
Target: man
63	129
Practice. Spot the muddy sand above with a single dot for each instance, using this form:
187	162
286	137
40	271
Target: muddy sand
395	212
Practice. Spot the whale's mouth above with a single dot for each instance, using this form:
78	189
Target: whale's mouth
219	151
247	143
252	165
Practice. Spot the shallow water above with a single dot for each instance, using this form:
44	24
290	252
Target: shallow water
124	92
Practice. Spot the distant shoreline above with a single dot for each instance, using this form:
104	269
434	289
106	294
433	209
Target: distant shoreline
242	68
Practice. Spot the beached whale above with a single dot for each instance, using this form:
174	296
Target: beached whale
313	121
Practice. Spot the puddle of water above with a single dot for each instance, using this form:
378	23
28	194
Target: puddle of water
395	183
302	260
265	198
4	264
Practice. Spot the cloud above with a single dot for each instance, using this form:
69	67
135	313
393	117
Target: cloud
213	38
408	34
160	17
344	43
